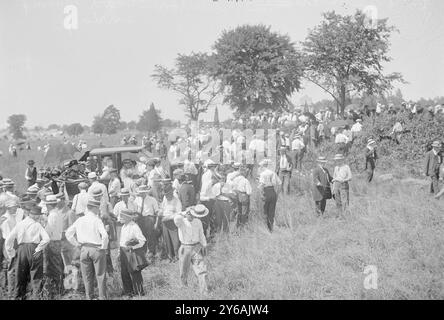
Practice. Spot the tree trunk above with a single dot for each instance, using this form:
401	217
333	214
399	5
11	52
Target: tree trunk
342	98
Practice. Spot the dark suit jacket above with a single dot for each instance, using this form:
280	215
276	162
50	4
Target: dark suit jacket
278	164
325	180
370	158
431	164
187	195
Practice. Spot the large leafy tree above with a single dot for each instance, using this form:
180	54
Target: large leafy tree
259	68
344	56
149	120
111	120
74	129
16	125
191	79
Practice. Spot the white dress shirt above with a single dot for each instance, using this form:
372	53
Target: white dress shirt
341	138
241	184
297	144
150	206
131	231
190	232
342	173
88	229
26	231
122	205
114	187
79	202
54	225
172	207
269	178
10	222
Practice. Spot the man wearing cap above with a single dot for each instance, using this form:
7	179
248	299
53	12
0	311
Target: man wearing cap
131	239
52	255
193	245
148	209
31	238
370	159
432	163
341	177
284	167
269	186
298	147
321	185
31	173
88	233
113	187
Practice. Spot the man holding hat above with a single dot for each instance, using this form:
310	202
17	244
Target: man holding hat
432	163
31	239
88	233
321	185
52	255
131	239
341	177
31	173
193	245
370	159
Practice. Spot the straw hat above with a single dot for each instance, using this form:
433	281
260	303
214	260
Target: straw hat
199	211
338	156
143	189
12	202
435	143
51	199
93	202
371	141
322	159
8	182
236	165
92	175
127	213
32	190
124	192
96	192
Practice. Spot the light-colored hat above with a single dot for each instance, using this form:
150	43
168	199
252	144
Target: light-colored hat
143	159
41	180
32	189
339	156
143	189
265	162
51	199
359	120
96	192
12	202
199	211
8	182
177	172
92	175
370	141
93	202
127	213
208	163
322	159
236	165
434	144
124	192
82	186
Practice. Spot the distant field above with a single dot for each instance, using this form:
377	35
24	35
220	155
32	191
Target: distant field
394	226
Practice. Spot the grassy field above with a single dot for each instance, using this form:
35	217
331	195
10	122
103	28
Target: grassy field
394	225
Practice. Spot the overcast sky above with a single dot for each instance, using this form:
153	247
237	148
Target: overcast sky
55	75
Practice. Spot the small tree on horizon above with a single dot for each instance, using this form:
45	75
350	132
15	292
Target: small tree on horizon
16	125
149	120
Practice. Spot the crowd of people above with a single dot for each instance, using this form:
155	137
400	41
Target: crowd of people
158	207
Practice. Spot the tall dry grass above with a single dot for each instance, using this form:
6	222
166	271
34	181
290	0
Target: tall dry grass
394	226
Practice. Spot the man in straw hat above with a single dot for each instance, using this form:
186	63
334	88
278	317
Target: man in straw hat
31	173
321	185
341	177
370	159
88	233
52	255
269	186
8	193
31	238
193	245
432	163
131	239
148	209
